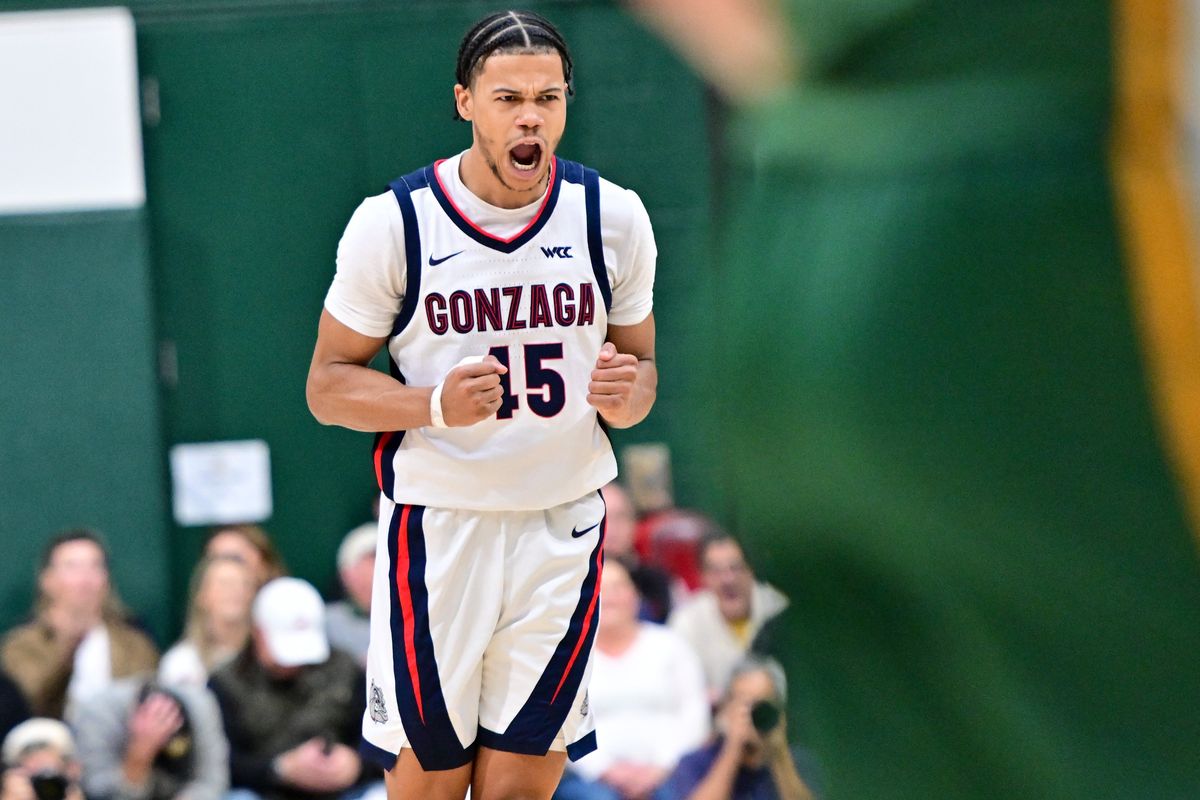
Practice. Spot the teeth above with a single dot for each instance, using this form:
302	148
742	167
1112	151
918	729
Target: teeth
530	151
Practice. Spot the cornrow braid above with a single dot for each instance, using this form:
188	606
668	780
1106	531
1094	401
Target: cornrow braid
516	32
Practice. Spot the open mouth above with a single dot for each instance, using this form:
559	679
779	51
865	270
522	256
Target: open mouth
526	156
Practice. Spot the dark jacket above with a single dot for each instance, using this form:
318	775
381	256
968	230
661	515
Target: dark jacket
14	709
265	717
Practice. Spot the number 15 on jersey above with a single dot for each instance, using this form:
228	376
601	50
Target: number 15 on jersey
545	389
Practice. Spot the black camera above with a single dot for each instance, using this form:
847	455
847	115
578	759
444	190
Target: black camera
765	715
49	785
177	754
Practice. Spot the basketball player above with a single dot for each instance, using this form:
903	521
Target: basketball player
513	292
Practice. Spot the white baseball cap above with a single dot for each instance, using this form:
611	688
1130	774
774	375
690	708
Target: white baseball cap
36	733
357	544
291	616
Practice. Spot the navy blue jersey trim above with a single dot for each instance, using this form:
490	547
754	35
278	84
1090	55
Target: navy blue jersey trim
499	741
541	718
591	194
467	227
377	755
428	727
383	452
577	750
402	188
572	171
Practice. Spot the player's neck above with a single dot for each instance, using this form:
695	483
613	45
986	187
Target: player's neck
482	182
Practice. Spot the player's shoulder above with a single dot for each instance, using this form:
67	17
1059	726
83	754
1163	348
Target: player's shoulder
378	205
620	207
413	181
376	216
619	200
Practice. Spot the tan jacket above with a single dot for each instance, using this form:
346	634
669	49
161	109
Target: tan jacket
41	663
700	622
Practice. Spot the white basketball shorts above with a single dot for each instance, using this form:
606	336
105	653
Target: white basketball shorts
481	630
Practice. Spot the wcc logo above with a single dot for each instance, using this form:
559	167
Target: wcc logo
557	252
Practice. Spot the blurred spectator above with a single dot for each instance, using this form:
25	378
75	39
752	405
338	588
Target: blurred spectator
671	540
750	759
722	620
653	584
14	709
139	741
348	621
218	621
79	640
40	763
252	545
292	707
647	692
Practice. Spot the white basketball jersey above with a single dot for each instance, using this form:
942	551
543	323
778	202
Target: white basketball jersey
539	303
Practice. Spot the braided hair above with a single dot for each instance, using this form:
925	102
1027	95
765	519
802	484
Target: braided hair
510	32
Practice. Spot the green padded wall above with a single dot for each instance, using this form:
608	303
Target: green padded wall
79	418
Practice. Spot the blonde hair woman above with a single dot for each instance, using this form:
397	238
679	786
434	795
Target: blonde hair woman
218	622
252	545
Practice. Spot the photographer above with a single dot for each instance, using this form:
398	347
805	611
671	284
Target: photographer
140	741
39	761
750	759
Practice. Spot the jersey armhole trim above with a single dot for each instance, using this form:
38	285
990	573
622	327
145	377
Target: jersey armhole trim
591	194
412	253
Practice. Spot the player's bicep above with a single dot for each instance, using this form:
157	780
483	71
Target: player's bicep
637	339
339	352
338	343
368	288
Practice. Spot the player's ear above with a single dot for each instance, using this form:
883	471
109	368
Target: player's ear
462	100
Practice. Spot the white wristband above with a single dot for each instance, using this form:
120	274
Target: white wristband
435	407
435	400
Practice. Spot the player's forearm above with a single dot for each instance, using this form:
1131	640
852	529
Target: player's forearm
364	399
641	399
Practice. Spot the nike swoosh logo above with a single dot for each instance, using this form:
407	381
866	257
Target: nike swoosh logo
577	533
433	262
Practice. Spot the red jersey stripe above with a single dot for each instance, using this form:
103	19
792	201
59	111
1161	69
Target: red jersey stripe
587	623
406	607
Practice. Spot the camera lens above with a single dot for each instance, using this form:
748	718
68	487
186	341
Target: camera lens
764	716
49	785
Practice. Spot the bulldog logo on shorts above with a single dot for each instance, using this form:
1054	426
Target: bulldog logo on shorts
378	709
583	709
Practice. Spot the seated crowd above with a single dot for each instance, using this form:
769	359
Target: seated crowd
262	697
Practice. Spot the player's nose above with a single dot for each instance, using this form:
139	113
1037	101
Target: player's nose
530	117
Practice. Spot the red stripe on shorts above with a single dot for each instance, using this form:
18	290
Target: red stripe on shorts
587	623
379	448
406	607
